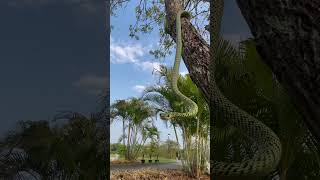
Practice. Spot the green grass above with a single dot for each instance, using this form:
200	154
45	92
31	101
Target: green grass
161	159
165	160
119	157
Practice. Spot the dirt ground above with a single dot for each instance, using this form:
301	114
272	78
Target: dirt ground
123	162
151	174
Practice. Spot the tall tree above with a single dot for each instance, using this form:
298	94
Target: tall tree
119	111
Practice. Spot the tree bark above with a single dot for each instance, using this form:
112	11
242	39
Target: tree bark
287	34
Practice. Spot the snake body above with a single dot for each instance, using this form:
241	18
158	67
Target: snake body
193	107
268	155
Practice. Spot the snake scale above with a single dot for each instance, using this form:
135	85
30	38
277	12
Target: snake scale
268	154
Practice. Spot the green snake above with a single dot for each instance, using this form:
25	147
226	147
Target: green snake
268	154
193	107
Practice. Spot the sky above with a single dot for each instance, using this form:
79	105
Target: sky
52	58
132	65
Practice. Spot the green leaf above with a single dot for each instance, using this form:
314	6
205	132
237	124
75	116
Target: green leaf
261	72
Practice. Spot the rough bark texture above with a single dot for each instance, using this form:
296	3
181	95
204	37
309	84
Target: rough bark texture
287	33
195	49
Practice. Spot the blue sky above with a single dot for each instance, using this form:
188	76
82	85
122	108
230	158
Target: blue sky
131	65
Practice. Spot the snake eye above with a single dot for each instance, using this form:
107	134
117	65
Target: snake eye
164	116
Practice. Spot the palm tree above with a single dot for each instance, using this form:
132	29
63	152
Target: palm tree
150	132
162	98
119	110
138	116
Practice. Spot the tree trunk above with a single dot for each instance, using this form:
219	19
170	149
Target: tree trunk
128	143
123	132
176	135
287	34
197	153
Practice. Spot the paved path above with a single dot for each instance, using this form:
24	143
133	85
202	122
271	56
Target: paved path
121	167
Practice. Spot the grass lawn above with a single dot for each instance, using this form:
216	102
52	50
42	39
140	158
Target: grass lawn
161	160
113	155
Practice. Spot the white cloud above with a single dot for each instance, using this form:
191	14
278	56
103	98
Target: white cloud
131	53
92	84
125	53
139	88
148	65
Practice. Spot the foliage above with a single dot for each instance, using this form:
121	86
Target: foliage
195	131
168	149
261	95
136	116
150	16
118	148
74	150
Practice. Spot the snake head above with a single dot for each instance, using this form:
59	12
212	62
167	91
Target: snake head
186	14
164	116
